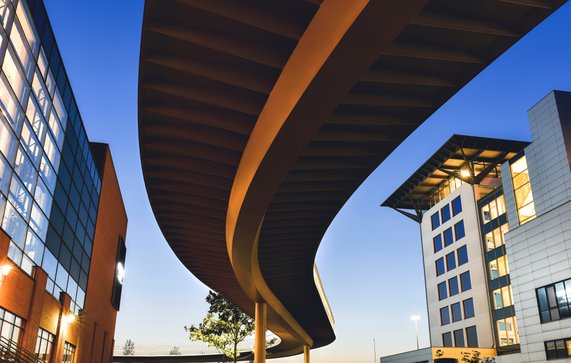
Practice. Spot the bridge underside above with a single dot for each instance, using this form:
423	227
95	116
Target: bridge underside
259	119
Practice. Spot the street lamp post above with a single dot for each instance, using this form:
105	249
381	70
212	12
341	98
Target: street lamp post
416	318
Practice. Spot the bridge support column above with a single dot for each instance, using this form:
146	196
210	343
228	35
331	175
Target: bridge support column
260	333
306	354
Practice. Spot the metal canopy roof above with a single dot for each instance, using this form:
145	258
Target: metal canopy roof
259	119
453	155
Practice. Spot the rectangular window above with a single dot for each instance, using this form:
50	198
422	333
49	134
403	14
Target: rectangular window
557	349
493	209
437	242
447	340
501	203
453	286
485	211
554	301
11	326
462	253
468	308
456	206
459	338
450	261
445	213
442	291
495	238
502	297
440	266
459	230
44	345
522	190
68	353
456	312
498	267
506	331
444	316
435	219
472	336
465	281
448	237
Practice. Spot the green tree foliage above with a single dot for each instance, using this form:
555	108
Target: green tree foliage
224	326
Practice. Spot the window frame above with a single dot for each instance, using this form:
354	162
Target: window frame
456	211
456	310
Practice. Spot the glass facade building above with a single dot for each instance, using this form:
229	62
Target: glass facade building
49	184
494	226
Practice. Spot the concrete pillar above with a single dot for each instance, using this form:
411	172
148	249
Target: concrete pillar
306	353
62	329
260	333
32	326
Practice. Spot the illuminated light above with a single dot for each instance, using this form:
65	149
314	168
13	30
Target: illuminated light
415	318
4	271
120	272
68	319
465	173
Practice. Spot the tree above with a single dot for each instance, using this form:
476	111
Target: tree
175	351
129	347
475	358
223	327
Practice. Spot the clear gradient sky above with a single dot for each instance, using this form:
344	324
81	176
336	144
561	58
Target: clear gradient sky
370	259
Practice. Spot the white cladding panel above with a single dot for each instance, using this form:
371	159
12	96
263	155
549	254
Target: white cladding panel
475	265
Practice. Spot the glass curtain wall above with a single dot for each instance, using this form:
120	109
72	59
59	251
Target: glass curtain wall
494	226
49	186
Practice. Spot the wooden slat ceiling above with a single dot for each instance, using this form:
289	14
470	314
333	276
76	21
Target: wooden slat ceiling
450	157
206	70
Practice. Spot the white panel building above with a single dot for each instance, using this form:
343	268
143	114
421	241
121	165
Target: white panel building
512	236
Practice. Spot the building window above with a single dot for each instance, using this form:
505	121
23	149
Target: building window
493	209
442	291
34	117
447	340
468	308
502	297
506	330
435	219
437	241
11	326
444	316
459	230
450	261
456	312
453	286
44	345
465	281
522	190
496	237
556	349
440	266
459	338
462	253
499	267
445	213
448	237
445	188
553	301
456	206
68	353
472	336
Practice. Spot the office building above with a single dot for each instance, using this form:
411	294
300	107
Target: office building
63	222
493	225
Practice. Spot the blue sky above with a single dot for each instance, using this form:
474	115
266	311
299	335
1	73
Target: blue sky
369	259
